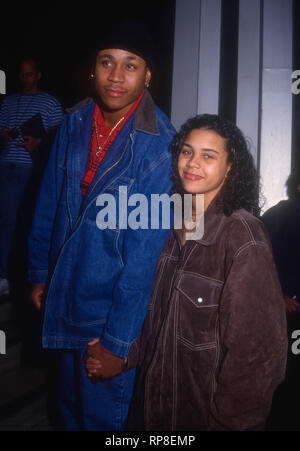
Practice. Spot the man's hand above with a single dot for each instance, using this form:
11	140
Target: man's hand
36	294
101	365
291	305
5	133
30	143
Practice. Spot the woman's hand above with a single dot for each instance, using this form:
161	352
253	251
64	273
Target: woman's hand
100	364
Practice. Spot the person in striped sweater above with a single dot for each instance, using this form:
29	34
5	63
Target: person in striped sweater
28	122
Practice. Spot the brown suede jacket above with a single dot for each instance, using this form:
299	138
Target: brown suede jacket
213	347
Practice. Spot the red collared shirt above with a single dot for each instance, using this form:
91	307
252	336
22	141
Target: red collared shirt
103	133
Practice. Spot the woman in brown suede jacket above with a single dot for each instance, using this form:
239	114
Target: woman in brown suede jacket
213	347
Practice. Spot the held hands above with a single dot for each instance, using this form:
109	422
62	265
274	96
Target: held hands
101	365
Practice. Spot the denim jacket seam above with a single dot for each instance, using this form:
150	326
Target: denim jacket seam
117	248
155	164
33	271
167	130
116	341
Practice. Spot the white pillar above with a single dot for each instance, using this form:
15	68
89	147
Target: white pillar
186	61
276	120
264	94
249	69
209	57
196	66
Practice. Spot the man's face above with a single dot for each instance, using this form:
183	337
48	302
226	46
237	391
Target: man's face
120	78
29	76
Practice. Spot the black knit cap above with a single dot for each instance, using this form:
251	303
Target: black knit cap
127	35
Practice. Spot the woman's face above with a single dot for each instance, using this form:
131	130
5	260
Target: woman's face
202	163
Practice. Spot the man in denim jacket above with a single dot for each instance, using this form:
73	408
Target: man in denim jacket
94	284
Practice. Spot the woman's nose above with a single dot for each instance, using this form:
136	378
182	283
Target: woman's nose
193	161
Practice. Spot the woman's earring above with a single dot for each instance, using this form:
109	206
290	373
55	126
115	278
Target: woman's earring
92	76
147	84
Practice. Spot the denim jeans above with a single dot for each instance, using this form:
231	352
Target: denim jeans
102	406
14	180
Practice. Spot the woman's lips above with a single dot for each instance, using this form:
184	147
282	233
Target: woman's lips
192	177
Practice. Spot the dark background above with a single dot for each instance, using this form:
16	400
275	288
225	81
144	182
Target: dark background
62	36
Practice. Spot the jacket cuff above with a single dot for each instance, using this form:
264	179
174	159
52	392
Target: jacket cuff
115	346
37	276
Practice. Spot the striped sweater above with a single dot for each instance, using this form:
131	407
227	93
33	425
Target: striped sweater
18	108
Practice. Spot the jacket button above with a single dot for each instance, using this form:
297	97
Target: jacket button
200	300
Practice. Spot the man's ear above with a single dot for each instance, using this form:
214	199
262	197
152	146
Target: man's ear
148	76
39	75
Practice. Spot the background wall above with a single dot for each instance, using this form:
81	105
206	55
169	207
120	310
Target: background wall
232	57
62	37
235	58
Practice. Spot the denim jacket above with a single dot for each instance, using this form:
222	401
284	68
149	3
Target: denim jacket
98	282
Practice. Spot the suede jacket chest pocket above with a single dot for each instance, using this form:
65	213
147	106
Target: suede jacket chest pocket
198	306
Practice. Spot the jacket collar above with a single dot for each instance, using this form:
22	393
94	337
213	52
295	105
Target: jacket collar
213	222
144	117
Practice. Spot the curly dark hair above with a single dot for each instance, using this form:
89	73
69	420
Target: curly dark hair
241	188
